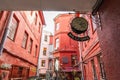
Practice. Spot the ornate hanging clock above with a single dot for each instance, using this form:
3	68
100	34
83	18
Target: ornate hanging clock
79	25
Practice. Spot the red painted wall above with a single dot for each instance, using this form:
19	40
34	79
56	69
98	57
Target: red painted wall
67	46
13	52
3	17
89	51
109	37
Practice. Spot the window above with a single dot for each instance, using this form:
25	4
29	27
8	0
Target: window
50	64
50	53
43	63
57	64
24	42
1	13
20	70
36	47
64	60
94	24
57	26
39	27
45	38
101	66
73	60
85	72
94	70
30	46
12	29
57	43
44	51
86	33
16	71
85	42
35	19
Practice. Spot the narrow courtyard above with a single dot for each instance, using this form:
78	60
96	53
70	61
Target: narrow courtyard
56	43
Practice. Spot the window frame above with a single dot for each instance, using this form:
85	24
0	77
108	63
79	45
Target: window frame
30	45
73	60
26	40
36	51
94	70
35	18
94	24
1	14
57	43
14	21
39	28
45	38
57	26
44	51
43	62
101	66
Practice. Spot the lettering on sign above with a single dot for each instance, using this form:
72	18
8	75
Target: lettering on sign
78	38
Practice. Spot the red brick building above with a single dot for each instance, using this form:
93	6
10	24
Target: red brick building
20	54
65	49
101	52
109	37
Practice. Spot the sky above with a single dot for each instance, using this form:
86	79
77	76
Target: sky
49	17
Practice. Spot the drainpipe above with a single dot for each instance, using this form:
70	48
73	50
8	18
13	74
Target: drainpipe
7	25
81	60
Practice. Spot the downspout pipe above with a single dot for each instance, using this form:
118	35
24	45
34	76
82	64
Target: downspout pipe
7	25
81	60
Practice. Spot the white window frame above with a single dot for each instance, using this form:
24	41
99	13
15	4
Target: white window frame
57	43
13	29
57	26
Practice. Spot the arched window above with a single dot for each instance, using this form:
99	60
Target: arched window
57	43
57	26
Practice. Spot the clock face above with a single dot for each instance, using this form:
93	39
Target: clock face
79	25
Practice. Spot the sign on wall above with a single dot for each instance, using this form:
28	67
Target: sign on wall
78	38
79	25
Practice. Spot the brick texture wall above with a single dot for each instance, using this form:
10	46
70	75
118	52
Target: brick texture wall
109	37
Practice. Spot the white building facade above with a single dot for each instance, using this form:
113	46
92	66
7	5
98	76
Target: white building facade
45	53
